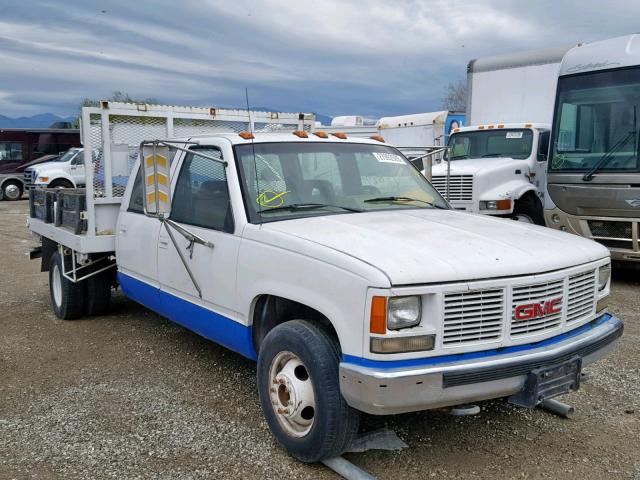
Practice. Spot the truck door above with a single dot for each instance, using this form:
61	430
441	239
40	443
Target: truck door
197	280
541	165
77	169
136	246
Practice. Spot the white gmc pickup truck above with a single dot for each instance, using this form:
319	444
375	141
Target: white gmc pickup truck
333	263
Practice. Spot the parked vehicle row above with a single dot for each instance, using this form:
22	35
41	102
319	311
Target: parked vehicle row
22	148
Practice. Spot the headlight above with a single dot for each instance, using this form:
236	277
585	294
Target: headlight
403	312
604	273
495	204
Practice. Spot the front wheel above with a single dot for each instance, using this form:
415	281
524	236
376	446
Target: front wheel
300	394
528	209
12	190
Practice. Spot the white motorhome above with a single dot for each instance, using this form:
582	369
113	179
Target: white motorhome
498	163
327	259
594	167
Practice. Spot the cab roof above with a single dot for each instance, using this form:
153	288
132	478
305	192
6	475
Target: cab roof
282	137
503	126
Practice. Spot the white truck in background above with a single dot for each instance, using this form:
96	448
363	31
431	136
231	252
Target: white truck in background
498	164
65	172
327	259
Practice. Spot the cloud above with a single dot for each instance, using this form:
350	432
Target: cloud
369	57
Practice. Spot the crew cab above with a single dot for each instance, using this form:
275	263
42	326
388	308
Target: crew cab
67	171
496	169
334	264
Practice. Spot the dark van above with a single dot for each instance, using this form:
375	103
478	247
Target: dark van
22	147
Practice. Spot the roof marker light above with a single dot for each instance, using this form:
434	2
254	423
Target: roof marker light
501	125
246	135
340	135
528	125
321	134
378	138
456	130
301	134
489	127
480	127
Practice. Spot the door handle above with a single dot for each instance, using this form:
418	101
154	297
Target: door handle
123	228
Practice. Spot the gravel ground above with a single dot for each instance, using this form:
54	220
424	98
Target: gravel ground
131	395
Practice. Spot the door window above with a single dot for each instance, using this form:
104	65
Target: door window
201	197
136	203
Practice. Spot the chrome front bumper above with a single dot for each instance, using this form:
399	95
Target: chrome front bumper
383	388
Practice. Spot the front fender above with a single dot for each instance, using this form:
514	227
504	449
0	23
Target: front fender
513	190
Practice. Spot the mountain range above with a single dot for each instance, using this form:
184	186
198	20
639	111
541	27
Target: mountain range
42	120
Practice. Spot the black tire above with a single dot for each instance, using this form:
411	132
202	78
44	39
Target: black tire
69	305
531	207
61	183
335	422
8	188
99	293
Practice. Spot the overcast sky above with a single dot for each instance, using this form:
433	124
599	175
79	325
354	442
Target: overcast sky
369	57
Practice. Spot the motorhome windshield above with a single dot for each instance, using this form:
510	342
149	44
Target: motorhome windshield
291	180
511	143
596	122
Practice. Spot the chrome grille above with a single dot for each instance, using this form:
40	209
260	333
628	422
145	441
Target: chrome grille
472	317
582	295
536	294
460	187
29	178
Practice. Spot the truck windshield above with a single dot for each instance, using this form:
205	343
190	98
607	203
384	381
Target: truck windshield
595	127
68	155
511	143
294	179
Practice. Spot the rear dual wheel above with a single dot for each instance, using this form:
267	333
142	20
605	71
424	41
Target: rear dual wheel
72	300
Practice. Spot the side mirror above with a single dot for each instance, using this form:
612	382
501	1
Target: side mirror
154	162
543	146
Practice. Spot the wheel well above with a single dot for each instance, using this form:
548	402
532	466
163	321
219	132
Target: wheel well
12	180
270	311
60	181
529	195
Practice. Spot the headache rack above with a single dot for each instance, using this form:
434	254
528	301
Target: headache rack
84	220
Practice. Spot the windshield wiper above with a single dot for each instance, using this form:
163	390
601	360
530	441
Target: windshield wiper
401	199
307	206
604	159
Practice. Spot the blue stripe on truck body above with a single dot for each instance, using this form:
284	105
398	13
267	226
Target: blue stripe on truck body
204	322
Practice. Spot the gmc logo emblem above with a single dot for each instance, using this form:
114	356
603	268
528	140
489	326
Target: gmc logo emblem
529	311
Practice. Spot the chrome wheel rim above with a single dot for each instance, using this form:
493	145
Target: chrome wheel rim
12	192
56	285
291	394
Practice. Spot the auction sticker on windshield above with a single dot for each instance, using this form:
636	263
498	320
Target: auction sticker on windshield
514	134
385	157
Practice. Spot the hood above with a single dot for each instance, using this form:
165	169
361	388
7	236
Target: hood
37	161
48	166
471	166
421	246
